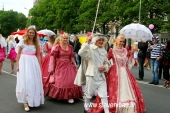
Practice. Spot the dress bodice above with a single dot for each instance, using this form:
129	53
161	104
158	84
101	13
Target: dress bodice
59	53
120	58
27	48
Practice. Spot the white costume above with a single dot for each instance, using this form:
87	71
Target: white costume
95	80
29	88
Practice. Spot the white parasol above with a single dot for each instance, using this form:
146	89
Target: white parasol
47	32
136	32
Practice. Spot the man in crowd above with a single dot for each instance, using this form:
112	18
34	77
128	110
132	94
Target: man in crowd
156	55
142	46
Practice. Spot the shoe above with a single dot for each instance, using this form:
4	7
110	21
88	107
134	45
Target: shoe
139	78
11	72
156	83
26	108
148	68
151	82
167	84
70	101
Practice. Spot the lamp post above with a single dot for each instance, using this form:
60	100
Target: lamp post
140	9
29	16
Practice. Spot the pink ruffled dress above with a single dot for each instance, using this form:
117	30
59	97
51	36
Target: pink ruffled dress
2	54
11	49
64	75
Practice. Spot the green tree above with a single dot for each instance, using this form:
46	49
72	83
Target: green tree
21	21
10	21
79	15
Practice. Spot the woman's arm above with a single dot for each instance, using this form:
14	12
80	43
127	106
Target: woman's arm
84	51
18	56
53	64
9	46
74	62
38	55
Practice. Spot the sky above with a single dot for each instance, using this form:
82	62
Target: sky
21	6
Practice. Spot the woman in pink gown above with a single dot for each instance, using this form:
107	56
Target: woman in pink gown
3	45
11	52
50	68
123	91
64	72
45	61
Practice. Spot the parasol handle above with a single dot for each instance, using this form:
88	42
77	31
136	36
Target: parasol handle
96	15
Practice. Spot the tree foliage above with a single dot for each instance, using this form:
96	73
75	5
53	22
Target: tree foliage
10	21
79	15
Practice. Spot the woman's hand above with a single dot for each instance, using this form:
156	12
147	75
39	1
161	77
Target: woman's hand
101	68
52	70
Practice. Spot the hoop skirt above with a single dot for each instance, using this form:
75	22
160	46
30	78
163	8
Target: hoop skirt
29	88
123	91
64	76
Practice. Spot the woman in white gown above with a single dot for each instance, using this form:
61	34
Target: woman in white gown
29	88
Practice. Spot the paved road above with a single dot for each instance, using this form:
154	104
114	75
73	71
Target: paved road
157	98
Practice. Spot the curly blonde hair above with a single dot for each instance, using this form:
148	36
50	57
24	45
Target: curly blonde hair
64	35
115	39
35	39
10	38
57	41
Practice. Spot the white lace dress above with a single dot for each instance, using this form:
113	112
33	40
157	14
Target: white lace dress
29	88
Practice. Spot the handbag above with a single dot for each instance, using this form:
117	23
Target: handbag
51	80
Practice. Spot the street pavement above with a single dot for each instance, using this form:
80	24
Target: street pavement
157	98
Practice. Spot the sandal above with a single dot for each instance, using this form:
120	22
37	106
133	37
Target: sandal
165	83
26	108
70	101
11	72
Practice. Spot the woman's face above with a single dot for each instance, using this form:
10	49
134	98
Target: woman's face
64	39
100	42
120	42
31	34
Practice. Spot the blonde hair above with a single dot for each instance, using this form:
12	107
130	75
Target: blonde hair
35	39
118	37
10	38
57	41
135	47
64	35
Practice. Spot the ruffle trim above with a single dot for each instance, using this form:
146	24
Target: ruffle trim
62	93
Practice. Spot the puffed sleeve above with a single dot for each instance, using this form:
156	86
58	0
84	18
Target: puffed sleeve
84	51
110	54
72	52
55	52
21	43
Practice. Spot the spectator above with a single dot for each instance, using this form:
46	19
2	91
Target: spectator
166	64
142	46
3	45
106	44
77	46
156	55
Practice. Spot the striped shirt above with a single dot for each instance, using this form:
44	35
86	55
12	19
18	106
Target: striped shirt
156	51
